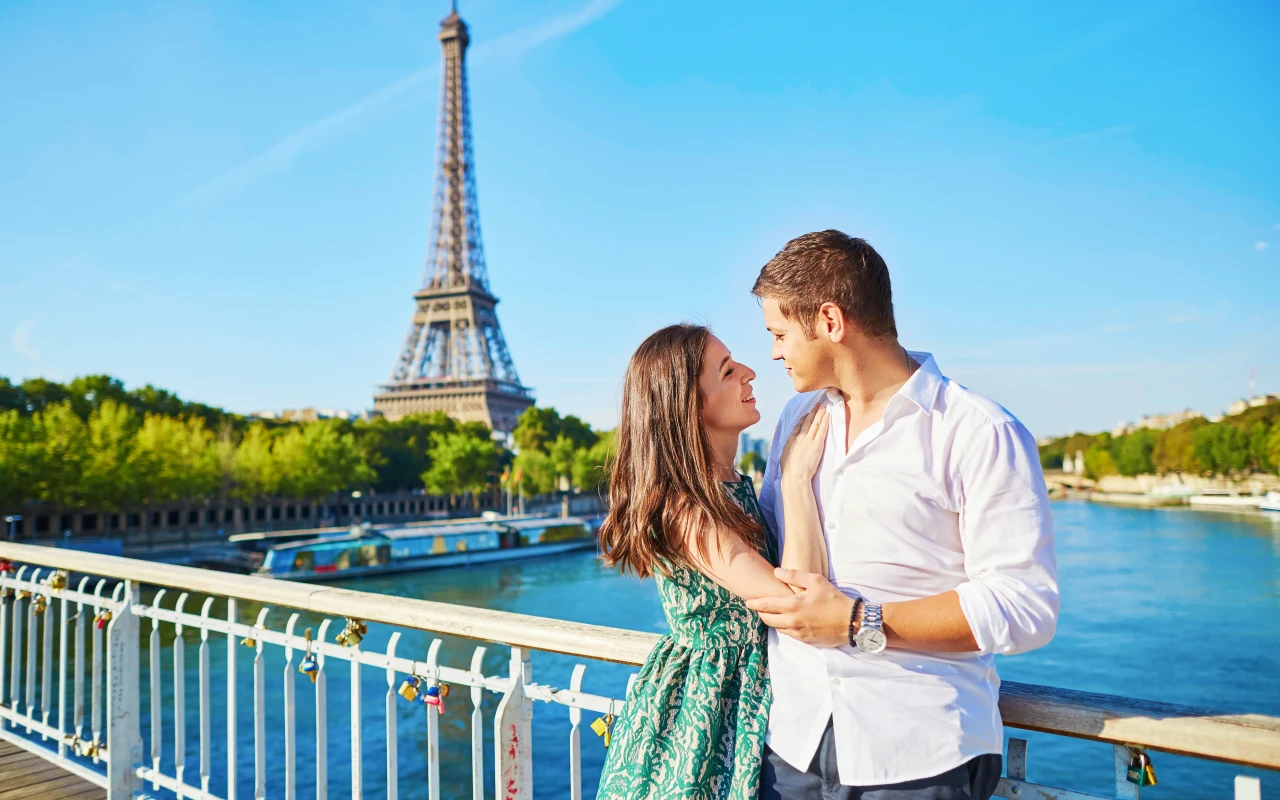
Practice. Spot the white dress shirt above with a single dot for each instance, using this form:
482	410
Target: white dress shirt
944	492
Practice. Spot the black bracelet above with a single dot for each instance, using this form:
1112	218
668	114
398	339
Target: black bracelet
853	617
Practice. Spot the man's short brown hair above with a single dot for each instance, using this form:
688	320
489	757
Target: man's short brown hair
830	267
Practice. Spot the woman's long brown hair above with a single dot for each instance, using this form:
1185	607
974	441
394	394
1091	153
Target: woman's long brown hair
663	479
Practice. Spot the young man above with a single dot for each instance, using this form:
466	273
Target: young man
939	542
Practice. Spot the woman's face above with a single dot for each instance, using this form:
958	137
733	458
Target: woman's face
728	403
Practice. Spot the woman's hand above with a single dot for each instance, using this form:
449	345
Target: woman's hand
803	451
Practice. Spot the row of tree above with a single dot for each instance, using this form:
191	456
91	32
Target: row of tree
1237	445
556	453
92	444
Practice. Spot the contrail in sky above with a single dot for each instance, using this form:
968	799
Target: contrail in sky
281	155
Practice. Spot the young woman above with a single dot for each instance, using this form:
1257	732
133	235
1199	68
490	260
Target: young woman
694	724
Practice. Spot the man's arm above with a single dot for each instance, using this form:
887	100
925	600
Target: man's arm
1010	602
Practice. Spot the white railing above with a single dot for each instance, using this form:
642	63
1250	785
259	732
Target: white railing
98	735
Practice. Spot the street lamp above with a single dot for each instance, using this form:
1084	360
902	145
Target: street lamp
13	522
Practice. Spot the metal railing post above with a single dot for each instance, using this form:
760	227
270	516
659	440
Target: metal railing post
513	733
124	733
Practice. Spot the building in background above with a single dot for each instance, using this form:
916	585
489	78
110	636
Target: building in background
455	358
310	414
1157	422
1242	405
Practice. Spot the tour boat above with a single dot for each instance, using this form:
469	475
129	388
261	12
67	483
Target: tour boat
1270	502
367	551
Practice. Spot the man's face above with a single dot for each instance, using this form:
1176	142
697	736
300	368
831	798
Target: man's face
806	360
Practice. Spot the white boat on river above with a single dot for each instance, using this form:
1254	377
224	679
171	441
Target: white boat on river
367	551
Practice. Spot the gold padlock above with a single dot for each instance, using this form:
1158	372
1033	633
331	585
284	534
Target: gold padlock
58	580
249	642
39	604
603	726
409	689
352	634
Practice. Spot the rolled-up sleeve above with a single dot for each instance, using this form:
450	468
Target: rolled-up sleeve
1011	596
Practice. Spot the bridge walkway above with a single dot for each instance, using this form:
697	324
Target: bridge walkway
27	776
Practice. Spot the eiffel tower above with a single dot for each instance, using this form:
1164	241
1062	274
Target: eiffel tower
455	358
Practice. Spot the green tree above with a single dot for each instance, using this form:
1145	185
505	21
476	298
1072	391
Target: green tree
1098	462
591	465
59	443
176	459
400	451
1051	454
110	472
1259	435
16	484
1273	448
89	392
319	459
539	428
561	453
536	428
39	394
11	397
577	431
461	462
1223	448
537	472
255	471
1174	450
752	462
1133	456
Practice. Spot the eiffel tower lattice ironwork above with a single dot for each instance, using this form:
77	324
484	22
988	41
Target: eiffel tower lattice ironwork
455	358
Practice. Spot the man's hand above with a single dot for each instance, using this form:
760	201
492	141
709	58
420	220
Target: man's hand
818	614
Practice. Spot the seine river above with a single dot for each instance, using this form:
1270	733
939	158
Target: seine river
1166	604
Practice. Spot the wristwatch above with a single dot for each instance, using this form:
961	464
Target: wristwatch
870	637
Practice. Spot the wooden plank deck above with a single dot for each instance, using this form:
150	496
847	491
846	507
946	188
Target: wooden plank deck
27	776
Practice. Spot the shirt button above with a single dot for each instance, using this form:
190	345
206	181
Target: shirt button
835	681
831	525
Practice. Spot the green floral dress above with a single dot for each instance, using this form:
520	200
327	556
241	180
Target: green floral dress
694	724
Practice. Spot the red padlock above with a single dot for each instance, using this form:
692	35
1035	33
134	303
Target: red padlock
104	616
6	565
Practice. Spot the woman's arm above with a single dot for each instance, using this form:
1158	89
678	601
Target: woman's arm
734	564
805	546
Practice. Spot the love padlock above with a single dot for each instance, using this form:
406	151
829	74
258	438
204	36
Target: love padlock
353	634
409	689
1141	772
603	726
6	565
249	642
100	621
435	695
58	580
309	666
39	604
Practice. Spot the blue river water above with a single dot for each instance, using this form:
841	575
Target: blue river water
1172	605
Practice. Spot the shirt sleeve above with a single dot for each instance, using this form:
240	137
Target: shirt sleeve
769	485
1011	597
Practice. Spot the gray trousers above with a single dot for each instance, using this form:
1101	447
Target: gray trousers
973	780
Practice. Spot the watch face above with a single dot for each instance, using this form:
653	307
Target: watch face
871	641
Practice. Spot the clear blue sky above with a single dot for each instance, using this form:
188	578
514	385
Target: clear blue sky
1079	202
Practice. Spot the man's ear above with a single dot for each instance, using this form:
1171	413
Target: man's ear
831	322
